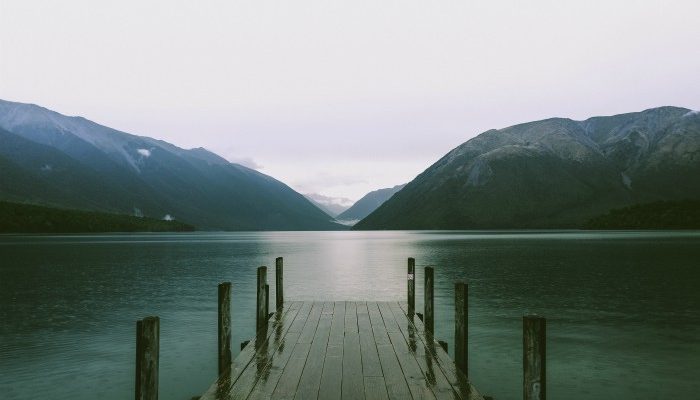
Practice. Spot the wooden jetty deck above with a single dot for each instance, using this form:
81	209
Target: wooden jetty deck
343	350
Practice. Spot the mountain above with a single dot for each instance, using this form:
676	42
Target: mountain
368	203
25	218
330	205
50	159
552	173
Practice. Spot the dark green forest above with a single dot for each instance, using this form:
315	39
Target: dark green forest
658	215
26	218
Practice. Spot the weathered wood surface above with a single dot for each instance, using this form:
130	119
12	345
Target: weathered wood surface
342	350
461	329
428	306
411	278
279	282
534	358
261	302
147	358
224	324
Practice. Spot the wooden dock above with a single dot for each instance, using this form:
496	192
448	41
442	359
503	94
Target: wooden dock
343	349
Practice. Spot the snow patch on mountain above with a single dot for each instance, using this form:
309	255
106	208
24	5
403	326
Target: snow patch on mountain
144	152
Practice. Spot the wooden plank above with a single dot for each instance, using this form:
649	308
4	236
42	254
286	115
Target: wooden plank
418	384
361	307
406	340
350	317
456	378
332	376
239	364
311	376
394	380
328	307
388	316
425	364
396	385
368	347
353	384
267	381
307	334
259	366
289	380
375	388
378	328
301	318
338	324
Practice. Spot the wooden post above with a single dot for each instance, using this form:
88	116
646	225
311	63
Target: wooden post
147	351
411	286
224	326
267	301
261	313
428	317
279	275
534	358
461	337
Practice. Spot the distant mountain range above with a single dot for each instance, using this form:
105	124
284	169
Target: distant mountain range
552	173
50	159
368	203
330	205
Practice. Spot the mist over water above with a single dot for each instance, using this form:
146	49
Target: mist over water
621	307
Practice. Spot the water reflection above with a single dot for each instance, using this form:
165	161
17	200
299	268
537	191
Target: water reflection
68	304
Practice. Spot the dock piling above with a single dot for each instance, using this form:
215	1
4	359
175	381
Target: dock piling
534	358
224	324
279	276
411	286
261	312
147	352
267	301
461	326
429	317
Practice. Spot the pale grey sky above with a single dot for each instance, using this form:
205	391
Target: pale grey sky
344	97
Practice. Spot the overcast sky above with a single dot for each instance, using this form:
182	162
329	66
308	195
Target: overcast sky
344	97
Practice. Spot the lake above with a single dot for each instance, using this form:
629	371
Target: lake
622	308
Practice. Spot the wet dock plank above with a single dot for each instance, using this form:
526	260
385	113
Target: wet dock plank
342	350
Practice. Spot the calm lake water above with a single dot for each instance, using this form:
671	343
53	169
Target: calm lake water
623	308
